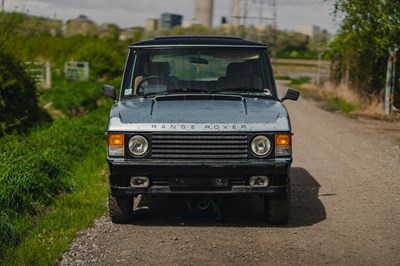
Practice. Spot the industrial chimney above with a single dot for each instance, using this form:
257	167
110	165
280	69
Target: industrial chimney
204	12
236	13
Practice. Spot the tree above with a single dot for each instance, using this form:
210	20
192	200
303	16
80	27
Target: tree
369	28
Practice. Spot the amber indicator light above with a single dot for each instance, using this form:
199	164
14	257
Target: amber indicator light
115	139
282	140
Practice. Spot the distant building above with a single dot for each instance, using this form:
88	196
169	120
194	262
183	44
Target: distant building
152	24
204	12
81	25
310	30
168	20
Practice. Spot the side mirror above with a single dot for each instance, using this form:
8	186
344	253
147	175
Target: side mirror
291	94
109	91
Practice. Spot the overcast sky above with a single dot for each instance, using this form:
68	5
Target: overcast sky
130	13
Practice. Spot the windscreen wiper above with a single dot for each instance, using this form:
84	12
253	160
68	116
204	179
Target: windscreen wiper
167	92
238	89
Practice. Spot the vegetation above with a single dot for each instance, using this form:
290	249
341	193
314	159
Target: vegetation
52	173
37	168
283	44
80	167
73	98
367	32
18	96
338	104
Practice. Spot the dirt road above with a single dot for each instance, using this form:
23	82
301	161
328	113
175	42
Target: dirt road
345	209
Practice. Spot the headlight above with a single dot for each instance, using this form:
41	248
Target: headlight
138	145
261	146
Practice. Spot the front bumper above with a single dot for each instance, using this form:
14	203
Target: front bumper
236	173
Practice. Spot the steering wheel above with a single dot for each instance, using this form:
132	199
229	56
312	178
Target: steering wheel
160	78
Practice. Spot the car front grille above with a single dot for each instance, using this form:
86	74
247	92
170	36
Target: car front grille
199	146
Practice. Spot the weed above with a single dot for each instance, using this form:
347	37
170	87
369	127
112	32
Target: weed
299	81
341	105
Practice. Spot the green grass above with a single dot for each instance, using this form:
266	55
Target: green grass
294	82
338	104
56	228
299	81
73	98
279	77
36	169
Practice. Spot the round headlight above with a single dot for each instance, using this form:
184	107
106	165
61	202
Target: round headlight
261	146
138	145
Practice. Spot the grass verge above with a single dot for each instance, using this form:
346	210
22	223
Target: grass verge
338	104
56	228
51	185
73	98
330	103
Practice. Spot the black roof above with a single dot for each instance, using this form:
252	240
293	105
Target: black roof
197	41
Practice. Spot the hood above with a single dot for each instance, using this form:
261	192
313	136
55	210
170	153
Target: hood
199	112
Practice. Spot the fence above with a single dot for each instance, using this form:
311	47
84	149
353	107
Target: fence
41	72
76	70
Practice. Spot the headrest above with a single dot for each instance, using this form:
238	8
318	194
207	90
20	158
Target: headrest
157	68
239	69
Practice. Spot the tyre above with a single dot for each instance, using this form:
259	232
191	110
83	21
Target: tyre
277	208
120	209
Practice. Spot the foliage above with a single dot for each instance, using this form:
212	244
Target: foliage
283	44
110	31
18	96
104	59
341	105
300	81
368	30
193	30
73	98
36	168
105	53
289	42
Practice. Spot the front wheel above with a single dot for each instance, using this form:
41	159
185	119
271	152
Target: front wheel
277	208
120	208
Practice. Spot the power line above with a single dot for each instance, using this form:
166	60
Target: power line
246	10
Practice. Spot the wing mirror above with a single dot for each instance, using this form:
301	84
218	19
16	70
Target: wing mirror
109	91
291	94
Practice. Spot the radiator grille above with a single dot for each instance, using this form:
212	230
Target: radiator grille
199	146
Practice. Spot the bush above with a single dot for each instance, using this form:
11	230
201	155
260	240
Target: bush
18	96
105	62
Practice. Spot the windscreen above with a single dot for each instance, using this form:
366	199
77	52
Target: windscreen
198	70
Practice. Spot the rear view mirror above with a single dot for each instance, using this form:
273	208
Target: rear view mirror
291	94
109	91
198	60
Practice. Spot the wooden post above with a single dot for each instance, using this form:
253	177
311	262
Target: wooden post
390	79
48	76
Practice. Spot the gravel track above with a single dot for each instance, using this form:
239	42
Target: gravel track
345	209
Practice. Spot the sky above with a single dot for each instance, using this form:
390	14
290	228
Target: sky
130	13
